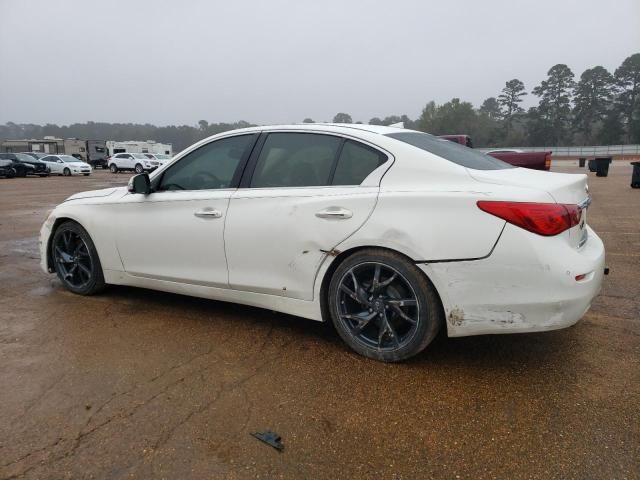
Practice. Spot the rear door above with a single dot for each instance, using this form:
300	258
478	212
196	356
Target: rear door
54	163
302	194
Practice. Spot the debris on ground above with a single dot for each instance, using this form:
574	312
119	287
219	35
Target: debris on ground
270	438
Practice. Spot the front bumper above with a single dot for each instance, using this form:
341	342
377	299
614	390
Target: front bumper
528	284
43	242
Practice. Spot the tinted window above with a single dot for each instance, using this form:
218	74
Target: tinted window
295	160
211	166
356	162
451	151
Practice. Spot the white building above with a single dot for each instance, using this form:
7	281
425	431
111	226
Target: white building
132	146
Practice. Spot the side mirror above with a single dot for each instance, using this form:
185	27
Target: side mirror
140	184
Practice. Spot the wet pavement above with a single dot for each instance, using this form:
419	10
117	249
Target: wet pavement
140	384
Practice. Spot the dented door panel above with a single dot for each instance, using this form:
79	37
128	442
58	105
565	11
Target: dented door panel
277	238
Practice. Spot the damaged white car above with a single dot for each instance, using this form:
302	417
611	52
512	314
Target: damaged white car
390	234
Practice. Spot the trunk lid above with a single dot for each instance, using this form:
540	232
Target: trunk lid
563	187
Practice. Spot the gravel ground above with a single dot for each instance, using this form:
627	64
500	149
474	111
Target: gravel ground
141	384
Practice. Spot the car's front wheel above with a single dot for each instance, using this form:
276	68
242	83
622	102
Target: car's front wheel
76	260
113	168
66	172
383	306
139	168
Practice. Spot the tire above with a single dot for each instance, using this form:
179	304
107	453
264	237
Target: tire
113	168
379	331
139	168
86	255
66	172
11	173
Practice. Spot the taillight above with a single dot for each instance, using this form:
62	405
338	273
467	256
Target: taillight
547	161
546	219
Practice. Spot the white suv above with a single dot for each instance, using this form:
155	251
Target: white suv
137	162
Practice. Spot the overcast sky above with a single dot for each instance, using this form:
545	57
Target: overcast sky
279	61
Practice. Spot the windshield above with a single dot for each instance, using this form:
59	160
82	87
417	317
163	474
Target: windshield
69	159
161	156
464	156
23	157
140	156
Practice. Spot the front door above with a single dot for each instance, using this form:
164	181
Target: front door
176	232
307	193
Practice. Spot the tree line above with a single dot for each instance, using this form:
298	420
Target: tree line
600	108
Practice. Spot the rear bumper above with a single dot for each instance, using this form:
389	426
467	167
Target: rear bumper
527	285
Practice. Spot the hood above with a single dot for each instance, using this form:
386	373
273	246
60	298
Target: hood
105	192
563	187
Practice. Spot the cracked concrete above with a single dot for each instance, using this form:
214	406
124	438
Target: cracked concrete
140	384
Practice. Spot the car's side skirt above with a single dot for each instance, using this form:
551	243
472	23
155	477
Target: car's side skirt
292	306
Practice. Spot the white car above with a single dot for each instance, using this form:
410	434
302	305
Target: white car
391	234
161	158
66	165
138	162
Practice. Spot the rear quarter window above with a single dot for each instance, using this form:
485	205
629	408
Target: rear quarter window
458	154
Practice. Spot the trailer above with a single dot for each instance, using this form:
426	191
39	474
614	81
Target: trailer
133	146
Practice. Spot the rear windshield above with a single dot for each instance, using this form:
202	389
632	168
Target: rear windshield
466	157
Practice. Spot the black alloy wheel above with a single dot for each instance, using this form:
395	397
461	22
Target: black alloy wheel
383	306
76	260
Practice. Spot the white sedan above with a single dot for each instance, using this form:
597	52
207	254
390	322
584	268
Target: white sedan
66	165
390	234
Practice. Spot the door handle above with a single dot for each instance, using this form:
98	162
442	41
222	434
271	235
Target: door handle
208	213
335	212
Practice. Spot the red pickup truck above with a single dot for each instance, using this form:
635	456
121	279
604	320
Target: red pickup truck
518	158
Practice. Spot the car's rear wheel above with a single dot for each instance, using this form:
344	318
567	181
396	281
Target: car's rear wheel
383	306
76	260
113	168
139	168
66	172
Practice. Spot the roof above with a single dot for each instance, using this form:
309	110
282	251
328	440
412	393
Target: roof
326	127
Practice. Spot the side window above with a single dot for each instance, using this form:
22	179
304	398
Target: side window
356	162
295	160
211	166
